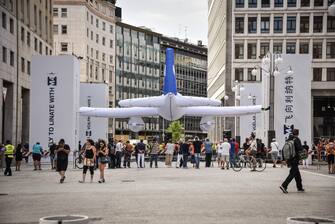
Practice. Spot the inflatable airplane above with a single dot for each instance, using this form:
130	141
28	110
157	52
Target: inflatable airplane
171	105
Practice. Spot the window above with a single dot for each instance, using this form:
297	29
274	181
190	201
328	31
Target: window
97	38
304	24
103	41
305	3
252	50
330	50
277	48
103	26
64	12
103	56
28	67
11	25
97	54
46	50
40	19
11	58
97	23
252	24
304	48
291	24
91	20
23	65
318	2
265	47
317	27
239	51
250	76
291	3
239	74
239	4
55	12
265	24
331	23
278	24
290	48
111	43
40	49
28	38
330	74
91	35
111	59
265	3
317	74
4	20
55	29
35	44
111	28
64	29
63	47
279	3
4	54
317	50
252	3
35	15
22	34
239	25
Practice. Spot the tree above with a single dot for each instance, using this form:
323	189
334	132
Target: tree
176	129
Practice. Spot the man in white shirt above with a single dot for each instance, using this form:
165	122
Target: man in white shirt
225	153
118	153
274	149
219	152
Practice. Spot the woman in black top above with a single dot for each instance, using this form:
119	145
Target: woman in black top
18	157
246	145
62	151
89	159
102	159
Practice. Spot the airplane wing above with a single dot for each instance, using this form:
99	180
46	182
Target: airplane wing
189	101
155	101
118	112
222	111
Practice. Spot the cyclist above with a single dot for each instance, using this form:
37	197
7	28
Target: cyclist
252	152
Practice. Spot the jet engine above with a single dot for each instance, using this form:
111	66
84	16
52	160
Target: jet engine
207	123
136	124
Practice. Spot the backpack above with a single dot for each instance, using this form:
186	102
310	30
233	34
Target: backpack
288	150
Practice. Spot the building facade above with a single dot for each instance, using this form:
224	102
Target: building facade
137	74
191	76
86	29
26	30
288	27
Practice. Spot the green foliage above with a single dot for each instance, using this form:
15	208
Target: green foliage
176	128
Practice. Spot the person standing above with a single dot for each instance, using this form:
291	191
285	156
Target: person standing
89	159
274	149
52	149
154	152
294	164
62	151
219	153
232	152
226	148
169	150
308	152
37	154
209	152
118	153
127	154
179	162
18	157
185	150
9	155
197	151
102	160
330	149
141	152
112	157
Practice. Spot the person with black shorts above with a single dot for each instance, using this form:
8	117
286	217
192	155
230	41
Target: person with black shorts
330	149
89	159
62	152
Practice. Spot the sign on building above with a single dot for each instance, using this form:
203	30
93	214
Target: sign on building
54	100
93	95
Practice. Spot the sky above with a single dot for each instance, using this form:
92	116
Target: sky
168	17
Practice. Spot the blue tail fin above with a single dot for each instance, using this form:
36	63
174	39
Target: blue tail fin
170	85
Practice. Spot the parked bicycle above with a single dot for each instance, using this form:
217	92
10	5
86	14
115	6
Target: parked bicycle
79	161
246	161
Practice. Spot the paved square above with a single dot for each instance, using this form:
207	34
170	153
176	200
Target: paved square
166	195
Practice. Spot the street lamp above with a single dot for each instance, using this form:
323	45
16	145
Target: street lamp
237	89
270	65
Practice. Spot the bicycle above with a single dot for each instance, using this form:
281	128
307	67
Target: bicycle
79	161
243	161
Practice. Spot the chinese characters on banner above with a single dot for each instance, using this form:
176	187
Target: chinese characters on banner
289	106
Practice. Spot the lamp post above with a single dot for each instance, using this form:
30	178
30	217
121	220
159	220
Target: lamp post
237	89
270	65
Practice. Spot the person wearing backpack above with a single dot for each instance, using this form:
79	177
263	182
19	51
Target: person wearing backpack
291	151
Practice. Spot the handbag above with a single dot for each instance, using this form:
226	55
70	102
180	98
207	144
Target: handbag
104	159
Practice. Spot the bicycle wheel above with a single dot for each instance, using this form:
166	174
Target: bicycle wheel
78	163
238	165
260	164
